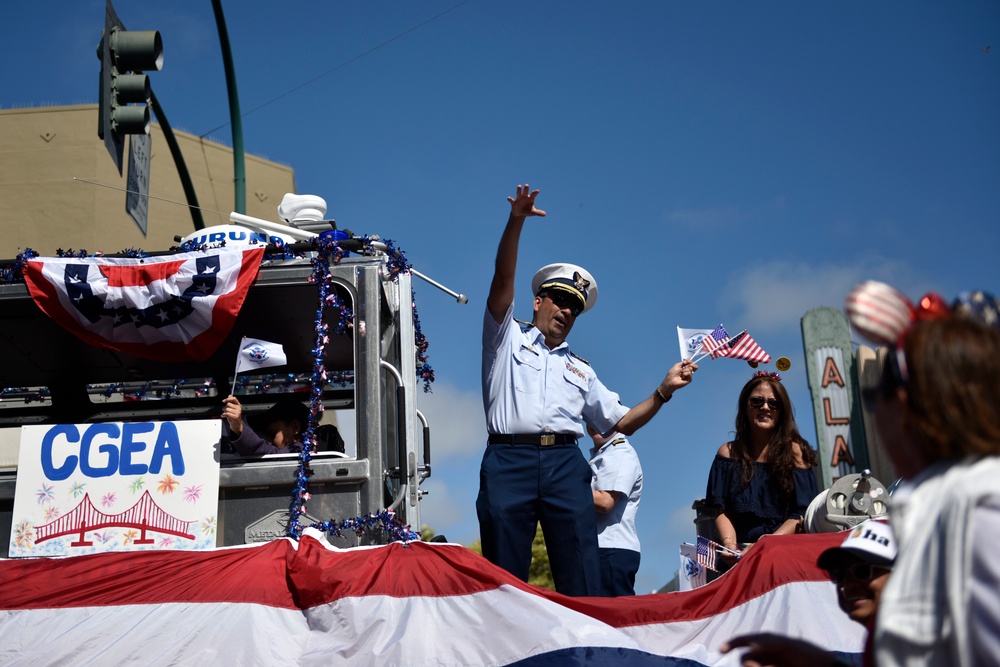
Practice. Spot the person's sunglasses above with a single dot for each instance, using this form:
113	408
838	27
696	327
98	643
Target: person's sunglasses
759	401
859	571
869	397
563	300
894	374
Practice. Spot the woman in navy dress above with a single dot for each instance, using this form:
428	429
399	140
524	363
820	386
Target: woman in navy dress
762	482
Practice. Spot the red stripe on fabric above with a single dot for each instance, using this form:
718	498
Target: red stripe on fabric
321	576
251	575
226	308
775	561
276	574
138	275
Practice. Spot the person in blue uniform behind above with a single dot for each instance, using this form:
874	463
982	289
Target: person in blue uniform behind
538	395
617	488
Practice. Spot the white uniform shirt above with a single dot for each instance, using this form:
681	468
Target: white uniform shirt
528	388
616	468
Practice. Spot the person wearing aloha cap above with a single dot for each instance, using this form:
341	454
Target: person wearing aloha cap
860	569
537	396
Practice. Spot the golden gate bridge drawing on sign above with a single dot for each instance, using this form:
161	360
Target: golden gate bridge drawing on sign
144	516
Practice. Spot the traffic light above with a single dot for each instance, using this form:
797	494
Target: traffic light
124	55
124	94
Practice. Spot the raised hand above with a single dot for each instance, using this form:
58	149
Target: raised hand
523	204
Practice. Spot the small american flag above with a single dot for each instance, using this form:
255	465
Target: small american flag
712	344
743	346
705	552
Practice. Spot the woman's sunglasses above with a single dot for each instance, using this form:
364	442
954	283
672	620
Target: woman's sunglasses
759	401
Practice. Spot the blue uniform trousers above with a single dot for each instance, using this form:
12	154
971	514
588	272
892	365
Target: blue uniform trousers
522	485
618	570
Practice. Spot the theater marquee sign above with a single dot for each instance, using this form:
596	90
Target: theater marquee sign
829	358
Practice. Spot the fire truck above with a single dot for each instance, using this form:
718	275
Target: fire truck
371	373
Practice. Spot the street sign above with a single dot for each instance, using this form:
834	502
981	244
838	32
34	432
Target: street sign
137	198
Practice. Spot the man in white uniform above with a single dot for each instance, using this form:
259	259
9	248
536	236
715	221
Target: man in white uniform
617	487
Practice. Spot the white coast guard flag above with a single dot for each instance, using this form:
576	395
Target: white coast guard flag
305	603
169	308
690	341
255	353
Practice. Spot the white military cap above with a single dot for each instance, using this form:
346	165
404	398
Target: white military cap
569	278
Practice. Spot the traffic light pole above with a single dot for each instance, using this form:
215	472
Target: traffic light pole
182	170
239	169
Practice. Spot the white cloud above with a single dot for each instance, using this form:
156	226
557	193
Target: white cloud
772	296
704	219
438	508
455	418
681	521
456	421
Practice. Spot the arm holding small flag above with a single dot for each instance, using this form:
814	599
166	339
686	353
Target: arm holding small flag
248	442
243	439
679	375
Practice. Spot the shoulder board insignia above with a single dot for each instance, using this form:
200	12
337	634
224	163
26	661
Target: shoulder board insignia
579	358
524	325
617	441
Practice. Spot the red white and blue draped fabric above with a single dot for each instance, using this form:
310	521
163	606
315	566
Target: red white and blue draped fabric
305	603
171	308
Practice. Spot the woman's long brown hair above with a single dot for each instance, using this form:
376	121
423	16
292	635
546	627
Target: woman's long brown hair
780	453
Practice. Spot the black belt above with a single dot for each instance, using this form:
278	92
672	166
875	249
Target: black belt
541	439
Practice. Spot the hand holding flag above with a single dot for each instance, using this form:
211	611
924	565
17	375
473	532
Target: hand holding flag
706	550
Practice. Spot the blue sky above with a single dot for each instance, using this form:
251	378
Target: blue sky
715	162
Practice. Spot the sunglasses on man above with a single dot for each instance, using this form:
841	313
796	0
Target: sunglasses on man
859	571
563	300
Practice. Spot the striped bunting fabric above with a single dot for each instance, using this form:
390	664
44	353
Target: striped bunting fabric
307	603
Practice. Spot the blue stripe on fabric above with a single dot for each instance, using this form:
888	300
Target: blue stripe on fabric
604	655
627	657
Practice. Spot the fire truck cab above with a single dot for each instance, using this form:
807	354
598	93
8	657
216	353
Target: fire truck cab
49	376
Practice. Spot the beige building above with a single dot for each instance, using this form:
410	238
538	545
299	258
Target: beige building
59	187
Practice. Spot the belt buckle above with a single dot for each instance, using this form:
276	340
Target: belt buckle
547	439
